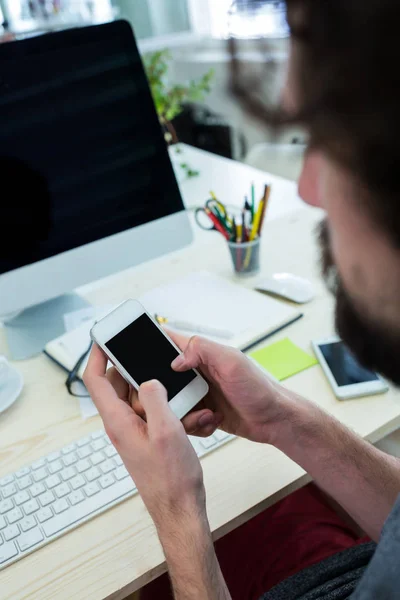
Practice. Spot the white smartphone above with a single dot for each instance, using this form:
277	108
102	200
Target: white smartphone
142	351
347	377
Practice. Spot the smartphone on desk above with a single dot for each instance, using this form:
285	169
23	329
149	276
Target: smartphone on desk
140	350
348	378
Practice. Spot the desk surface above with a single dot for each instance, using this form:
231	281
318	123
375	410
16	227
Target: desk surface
117	553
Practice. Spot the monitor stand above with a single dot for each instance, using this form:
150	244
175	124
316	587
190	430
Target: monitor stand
29	331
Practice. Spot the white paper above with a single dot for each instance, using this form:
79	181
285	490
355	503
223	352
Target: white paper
88	409
213	302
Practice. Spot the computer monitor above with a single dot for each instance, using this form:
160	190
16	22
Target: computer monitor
87	184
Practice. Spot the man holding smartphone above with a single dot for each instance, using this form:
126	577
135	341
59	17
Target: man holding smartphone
343	86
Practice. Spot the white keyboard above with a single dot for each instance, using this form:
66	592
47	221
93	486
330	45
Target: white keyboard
59	492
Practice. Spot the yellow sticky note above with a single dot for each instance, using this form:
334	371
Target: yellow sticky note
283	359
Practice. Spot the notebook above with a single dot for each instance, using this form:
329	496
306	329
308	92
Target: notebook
202	298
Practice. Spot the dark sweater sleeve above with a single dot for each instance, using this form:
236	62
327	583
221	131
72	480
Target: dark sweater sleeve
382	577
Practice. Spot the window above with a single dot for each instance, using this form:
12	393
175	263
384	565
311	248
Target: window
26	16
155	18
248	18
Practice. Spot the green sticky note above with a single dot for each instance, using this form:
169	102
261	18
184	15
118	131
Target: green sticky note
283	359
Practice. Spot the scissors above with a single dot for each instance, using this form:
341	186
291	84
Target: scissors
218	209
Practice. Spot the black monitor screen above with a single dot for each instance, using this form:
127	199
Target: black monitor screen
82	154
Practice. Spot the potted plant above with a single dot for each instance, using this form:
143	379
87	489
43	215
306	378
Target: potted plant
169	99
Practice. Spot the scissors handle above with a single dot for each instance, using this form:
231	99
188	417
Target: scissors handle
201	218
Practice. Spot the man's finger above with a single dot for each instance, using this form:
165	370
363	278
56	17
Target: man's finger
136	405
153	397
119	384
201	423
198	351
100	389
180	340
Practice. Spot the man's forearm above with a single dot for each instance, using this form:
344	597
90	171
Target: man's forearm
364	480
192	563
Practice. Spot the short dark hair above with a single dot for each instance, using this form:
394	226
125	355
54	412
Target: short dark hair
348	86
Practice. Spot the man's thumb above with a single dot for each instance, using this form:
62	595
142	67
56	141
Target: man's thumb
154	400
191	357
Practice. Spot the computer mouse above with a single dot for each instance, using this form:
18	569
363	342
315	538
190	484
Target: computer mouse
11	384
288	286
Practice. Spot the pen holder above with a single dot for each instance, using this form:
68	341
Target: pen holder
245	257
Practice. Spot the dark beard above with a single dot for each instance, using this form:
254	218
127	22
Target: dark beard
377	348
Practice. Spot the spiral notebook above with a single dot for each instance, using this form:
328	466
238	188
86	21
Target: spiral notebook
202	298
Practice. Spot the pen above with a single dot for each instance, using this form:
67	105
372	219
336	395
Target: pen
186	326
267	194
218	225
234	230
257	219
253	201
244	229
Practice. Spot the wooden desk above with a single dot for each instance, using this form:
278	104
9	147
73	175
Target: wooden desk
118	552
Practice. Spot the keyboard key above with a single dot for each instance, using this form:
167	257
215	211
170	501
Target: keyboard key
68	473
22	472
98	445
6	480
121	473
40	474
32	538
83	465
14	515
70	459
90	489
93	474
52	481
55	466
208	442
46	498
6	505
97	458
83	442
27	523
110	451
31	506
118	460
76	497
53	456
44	515
68	449
106	480
82	510
221	435
11	532
77	482
60	506
62	490
38	464
9	490
36	489
107	466
7	551
3	522
84	452
21	497
98	434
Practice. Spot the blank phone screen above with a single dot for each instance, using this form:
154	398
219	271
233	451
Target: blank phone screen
344	366
147	354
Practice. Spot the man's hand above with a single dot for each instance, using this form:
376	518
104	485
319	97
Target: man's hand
156	452
167	473
243	399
